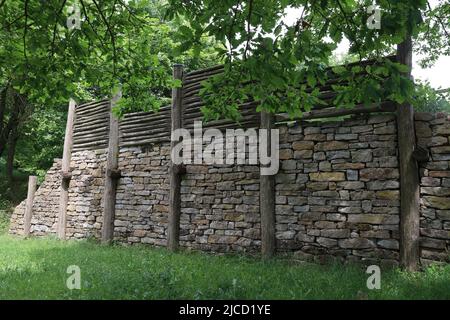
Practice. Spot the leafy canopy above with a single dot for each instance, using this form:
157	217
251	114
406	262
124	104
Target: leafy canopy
282	64
117	43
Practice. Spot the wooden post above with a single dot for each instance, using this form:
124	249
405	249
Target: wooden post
32	183
175	171
409	173
65	172
112	174
267	198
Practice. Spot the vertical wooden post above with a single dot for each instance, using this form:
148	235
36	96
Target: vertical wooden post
32	183
173	232
65	171
112	174
267	197
409	173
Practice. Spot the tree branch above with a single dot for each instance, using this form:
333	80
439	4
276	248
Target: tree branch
25	29
439	20
111	33
56	26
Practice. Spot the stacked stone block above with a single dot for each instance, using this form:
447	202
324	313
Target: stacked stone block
433	132
45	206
337	193
85	208
220	208
142	201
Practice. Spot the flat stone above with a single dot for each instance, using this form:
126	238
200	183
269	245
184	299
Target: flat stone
327	176
286	235
423	129
378	234
315	137
325	242
435	191
432	243
351	185
348	165
352	175
347	136
286	154
435	233
303	145
335	233
446	183
423	116
378	174
356	243
362	156
430	182
443	214
437	202
317	186
443	129
361	129
373	218
303	154
331	145
388	195
390	129
383	185
388	244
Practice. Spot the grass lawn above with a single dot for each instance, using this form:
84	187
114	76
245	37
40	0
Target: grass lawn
36	269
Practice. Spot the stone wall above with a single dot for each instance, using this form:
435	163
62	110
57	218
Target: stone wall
142	204
433	132
337	194
220	208
85	207
45	206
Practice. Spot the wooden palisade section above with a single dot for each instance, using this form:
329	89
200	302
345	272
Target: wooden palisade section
96	128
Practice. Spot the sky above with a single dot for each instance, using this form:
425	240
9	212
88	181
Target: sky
437	75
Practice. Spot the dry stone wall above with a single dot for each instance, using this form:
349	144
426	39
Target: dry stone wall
85	207
142	202
433	132
45	206
337	194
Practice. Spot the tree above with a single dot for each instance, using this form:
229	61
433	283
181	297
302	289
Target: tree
428	99
281	65
43	62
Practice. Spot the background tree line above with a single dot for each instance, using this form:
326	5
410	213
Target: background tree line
43	63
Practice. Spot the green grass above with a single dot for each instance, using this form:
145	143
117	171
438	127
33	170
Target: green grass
36	269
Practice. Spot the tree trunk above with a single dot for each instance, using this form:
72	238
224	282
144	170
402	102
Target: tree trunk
3	96
409	174
12	142
2	107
